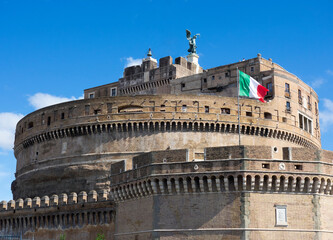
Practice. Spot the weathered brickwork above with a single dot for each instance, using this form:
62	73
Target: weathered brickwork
156	155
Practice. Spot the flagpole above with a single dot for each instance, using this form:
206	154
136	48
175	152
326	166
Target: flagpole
239	136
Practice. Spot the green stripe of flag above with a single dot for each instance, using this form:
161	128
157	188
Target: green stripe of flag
244	84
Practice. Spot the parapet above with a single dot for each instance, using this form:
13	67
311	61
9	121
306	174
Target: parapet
56	200
167	156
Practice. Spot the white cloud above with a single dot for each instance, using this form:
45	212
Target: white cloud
40	100
326	115
317	82
8	123
133	62
329	72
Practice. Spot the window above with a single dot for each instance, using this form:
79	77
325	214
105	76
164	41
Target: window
298	167
43	118
309	103
267	115
213	77
205	80
281	215
227	74
316	108
97	111
288	106
287	87
63	115
225	110
48	121
299	96
284	119
183	85
287	90
206	109
30	125
265	165
113	92
252	69
162	108
184	108
249	114
91	95
269	86
305	123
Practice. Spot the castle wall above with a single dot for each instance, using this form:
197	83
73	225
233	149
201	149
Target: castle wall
82	138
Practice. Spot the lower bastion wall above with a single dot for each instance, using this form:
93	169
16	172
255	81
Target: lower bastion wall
234	193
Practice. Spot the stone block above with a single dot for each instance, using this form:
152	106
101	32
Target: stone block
45	202
19	203
54	200
92	196
28	203
63	199
11	205
72	198
83	197
36	202
3	205
103	195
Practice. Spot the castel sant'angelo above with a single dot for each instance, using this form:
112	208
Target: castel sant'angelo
156	155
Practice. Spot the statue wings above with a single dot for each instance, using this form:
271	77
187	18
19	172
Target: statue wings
188	34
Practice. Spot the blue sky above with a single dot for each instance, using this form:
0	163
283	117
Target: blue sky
51	50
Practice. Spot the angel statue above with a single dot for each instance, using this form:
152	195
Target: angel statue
191	41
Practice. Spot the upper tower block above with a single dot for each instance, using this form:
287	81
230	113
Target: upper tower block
150	78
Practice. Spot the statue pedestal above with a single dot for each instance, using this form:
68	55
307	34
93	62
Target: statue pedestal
194	58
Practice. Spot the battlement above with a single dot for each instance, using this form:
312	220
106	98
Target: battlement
55	200
224	169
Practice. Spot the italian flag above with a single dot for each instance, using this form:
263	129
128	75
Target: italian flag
249	87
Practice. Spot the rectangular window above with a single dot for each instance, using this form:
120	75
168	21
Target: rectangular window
206	109
91	95
162	108
227	74
225	110
281	215
48	121
305	123
288	106
113	92
269	86
184	108
62	115
43	119
316	108
309	103
287	88
298	167
249	114
299	96
213	77
300	120
252	69
265	165
97	111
